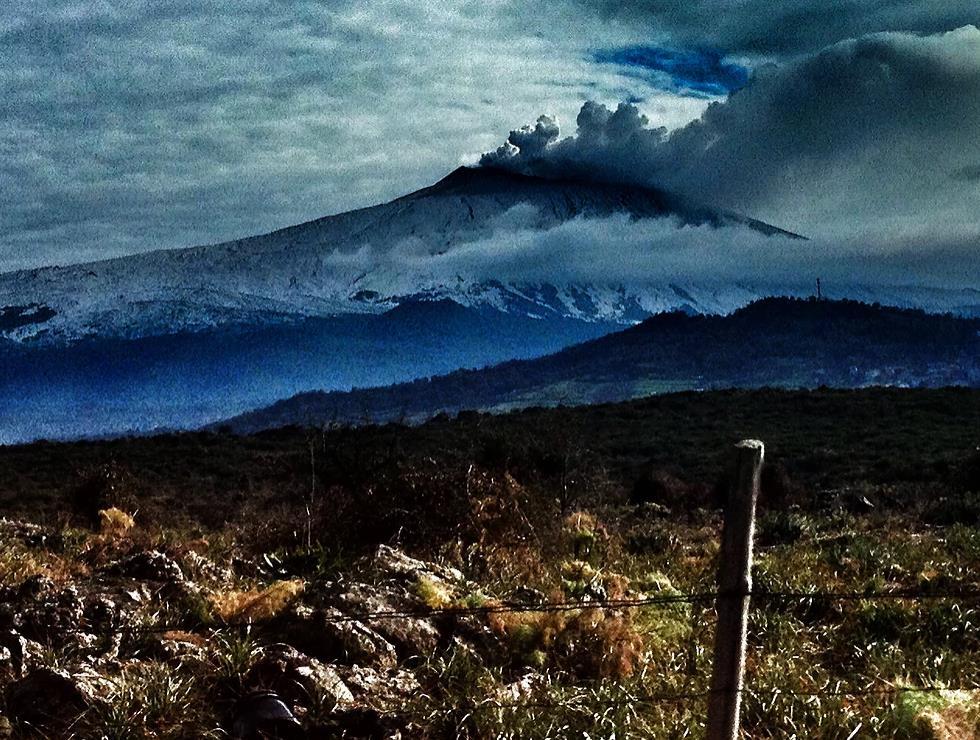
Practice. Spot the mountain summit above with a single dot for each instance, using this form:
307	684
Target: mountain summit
363	261
566	198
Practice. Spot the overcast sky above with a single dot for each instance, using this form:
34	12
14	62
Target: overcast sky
128	126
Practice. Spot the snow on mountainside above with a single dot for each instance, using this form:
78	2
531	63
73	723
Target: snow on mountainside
340	264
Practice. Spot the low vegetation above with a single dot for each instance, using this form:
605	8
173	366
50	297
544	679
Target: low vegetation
467	578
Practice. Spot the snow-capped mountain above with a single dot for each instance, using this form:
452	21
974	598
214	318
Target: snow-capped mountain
372	259
339	264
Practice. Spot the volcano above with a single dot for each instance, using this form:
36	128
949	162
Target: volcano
317	268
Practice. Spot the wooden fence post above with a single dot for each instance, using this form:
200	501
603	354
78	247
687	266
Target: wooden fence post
734	589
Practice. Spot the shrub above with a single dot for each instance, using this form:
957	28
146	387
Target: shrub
960	507
148	699
777	489
969	472
783	527
581	529
115	522
596	643
666	489
433	592
234	654
581	581
587	643
664	625
103	487
938	715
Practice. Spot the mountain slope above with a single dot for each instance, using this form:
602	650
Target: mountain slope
774	342
344	264
102	386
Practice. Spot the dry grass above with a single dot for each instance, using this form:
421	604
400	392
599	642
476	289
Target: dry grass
587	643
115	522
256	604
943	715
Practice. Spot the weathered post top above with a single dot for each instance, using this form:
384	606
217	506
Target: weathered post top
752	444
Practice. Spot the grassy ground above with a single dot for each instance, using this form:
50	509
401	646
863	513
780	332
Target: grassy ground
870	491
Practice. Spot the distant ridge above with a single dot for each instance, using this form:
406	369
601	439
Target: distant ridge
780	342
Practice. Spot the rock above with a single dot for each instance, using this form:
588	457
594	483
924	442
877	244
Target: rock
176	646
462	650
205	569
263	714
52	617
100	614
399	566
528	595
326	634
48	699
296	678
355	642
523	688
6	729
151	565
34	586
32	535
380	699
21	654
8	616
380	689
365	722
411	636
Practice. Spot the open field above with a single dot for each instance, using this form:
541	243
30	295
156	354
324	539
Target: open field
540	573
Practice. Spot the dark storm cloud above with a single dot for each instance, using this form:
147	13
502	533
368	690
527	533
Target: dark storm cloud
857	140
131	126
698	71
140	125
780	26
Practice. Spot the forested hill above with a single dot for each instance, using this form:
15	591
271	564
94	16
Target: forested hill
778	342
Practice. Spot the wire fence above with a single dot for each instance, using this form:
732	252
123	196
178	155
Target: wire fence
584	699
426	612
760	599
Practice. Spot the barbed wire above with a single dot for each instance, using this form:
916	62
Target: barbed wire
579	697
908	594
574	605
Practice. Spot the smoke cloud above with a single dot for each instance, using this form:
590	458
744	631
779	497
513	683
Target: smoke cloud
874	138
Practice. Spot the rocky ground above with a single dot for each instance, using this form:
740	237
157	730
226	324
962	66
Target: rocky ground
101	636
72	646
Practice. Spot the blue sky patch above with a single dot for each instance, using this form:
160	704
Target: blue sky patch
692	71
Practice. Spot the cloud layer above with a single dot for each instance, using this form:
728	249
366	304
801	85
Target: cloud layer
126	127
876	139
131	126
779	27
616	250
